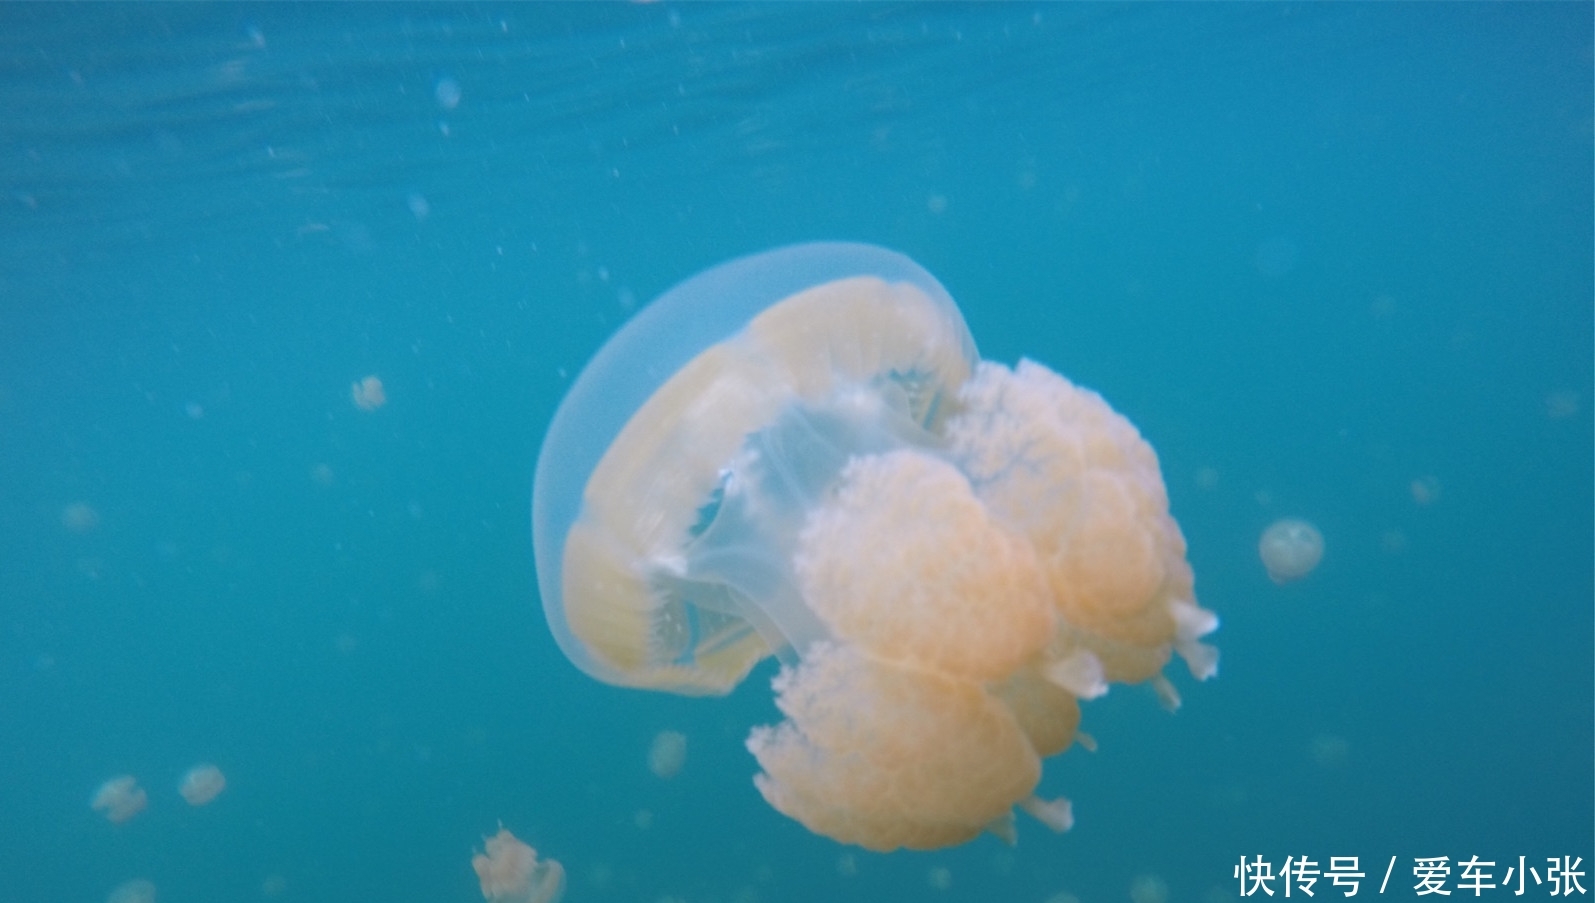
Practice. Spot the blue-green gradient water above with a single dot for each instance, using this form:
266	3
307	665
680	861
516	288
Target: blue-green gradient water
1315	252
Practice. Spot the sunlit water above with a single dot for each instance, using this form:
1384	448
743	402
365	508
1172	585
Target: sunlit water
1334	261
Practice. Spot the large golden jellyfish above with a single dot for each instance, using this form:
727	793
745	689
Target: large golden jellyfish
800	454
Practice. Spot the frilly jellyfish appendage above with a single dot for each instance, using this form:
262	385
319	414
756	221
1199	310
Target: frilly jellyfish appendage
800	454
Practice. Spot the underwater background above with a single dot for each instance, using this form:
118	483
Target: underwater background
1334	261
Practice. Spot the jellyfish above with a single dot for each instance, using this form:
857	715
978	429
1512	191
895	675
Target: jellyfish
1290	549
202	783
511	873
800	454
80	517
1329	750
667	754
135	890
368	394
1425	489
120	798
1149	889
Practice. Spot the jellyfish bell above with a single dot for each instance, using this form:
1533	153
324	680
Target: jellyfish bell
201	784
135	890
678	410
368	393
1425	489
119	799
800	454
1149	889
1290	548
667	753
510	872
80	517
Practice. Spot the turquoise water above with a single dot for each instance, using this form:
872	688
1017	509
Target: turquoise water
1316	253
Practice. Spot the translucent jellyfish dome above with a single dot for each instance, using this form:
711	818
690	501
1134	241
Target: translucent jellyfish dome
510	872
1290	548
201	784
120	798
800	454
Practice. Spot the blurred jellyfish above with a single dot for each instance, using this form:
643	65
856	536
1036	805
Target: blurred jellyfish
80	517
800	454
120	798
1425	490
138	890
201	784
420	208
1562	404
368	394
1149	889
447	91
1393	541
510	872
1329	750
667	753
1290	549
940	877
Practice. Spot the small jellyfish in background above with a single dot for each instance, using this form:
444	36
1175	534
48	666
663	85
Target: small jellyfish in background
80	517
420	208
1290	549
1329	750
511	873
120	798
1393	541
667	753
368	394
1149	889
201	784
137	890
800	454
1562	404
1425	490
447	91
